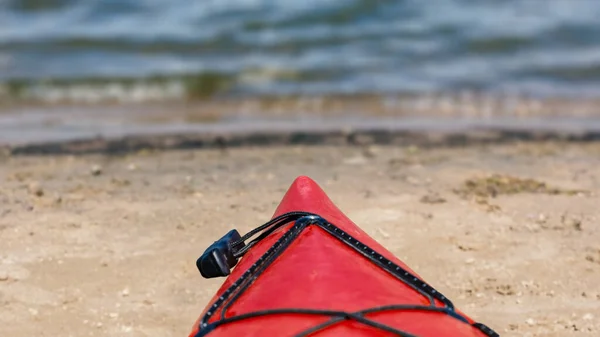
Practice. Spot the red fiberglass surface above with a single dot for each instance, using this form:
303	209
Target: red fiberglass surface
317	271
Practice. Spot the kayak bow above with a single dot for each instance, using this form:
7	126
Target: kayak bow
312	271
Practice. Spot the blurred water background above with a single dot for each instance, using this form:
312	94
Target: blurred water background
420	58
51	49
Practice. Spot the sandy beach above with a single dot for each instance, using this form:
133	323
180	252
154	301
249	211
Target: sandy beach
133	134
105	245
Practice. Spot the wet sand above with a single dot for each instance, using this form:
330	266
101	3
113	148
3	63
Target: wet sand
109	128
98	245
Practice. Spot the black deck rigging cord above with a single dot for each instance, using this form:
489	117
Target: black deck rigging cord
223	255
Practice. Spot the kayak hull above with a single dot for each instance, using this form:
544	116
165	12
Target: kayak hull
321	270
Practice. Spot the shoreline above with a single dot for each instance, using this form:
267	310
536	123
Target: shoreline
406	132
421	120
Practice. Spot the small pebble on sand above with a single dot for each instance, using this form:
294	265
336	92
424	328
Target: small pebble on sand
36	189
433	198
96	170
542	218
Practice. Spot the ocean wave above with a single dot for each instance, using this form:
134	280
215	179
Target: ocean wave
329	46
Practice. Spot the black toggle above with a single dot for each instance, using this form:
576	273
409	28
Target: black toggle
218	259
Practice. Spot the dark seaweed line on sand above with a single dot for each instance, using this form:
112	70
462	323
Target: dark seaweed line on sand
131	144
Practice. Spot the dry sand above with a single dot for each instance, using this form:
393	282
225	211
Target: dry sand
105	246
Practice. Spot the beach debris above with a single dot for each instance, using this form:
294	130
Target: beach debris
433	198
125	292
571	221
357	160
530	321
96	170
465	248
370	151
499	184
486	205
36	189
593	255
120	182
505	290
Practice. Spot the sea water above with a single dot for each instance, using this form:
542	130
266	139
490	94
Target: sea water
541	47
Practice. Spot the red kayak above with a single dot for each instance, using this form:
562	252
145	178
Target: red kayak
311	271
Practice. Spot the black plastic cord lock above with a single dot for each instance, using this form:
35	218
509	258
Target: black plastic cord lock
218	259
